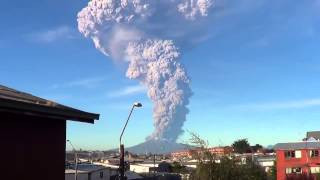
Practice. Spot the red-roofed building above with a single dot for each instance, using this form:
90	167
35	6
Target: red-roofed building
221	150
299	159
181	154
214	150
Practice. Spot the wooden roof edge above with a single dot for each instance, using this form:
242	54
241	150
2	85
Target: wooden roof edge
66	113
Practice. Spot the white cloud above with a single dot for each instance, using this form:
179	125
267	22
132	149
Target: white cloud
297	104
86	82
51	35
126	91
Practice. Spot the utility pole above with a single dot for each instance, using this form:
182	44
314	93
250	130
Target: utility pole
121	167
154	166
76	161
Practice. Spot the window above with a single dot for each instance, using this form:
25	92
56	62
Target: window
314	153
292	154
101	175
298	154
294	170
315	170
289	154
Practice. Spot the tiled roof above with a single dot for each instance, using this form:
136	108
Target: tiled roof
15	101
297	145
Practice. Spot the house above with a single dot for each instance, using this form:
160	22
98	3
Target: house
144	167
182	154
313	134
221	151
297	159
33	135
267	162
188	153
90	172
114	169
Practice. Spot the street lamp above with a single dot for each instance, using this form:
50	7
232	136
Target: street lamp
121	168
76	160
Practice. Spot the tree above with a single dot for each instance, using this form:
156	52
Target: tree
178	168
241	146
164	167
273	172
208	168
256	147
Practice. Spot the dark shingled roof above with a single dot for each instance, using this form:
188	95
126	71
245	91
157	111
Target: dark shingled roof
298	145
23	103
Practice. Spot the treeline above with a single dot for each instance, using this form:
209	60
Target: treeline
209	167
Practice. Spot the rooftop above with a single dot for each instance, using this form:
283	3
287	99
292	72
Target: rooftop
85	168
18	102
89	168
313	134
297	145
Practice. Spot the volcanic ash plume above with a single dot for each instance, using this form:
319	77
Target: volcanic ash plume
155	64
133	30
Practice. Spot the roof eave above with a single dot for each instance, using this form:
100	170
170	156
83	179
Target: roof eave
43	111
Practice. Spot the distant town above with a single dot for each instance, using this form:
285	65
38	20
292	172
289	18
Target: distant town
79	77
287	160
37	130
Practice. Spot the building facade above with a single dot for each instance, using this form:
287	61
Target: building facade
300	159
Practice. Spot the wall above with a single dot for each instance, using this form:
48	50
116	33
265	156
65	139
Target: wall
139	168
82	176
31	147
96	174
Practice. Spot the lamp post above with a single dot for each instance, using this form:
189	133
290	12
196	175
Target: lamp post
76	160
121	167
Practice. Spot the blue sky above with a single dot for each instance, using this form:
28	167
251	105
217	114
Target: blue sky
255	77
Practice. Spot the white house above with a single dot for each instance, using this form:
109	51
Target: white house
143	167
89	172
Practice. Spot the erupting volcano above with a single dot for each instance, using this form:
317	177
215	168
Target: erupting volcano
143	33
